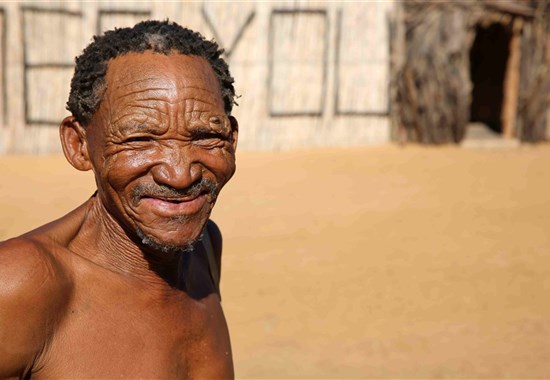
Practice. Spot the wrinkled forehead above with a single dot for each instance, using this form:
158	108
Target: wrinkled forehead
175	76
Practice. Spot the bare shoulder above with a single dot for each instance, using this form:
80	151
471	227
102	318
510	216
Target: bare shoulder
34	291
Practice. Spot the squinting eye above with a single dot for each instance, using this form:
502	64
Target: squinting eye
211	135
137	139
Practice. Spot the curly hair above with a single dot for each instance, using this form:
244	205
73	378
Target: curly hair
88	83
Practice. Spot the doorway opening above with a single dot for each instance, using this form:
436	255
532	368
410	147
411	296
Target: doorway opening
488	60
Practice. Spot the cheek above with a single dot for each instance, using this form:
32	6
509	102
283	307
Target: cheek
124	167
221	163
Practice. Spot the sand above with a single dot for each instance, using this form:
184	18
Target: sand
368	262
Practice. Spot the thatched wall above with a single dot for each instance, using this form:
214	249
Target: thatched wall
431	78
432	95
535	71
310	73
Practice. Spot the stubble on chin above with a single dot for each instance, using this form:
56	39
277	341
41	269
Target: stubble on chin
155	245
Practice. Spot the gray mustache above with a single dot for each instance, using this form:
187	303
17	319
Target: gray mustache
165	191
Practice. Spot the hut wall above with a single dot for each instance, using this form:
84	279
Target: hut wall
535	66
431	80
309	73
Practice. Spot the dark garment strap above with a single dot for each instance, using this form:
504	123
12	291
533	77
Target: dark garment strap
212	265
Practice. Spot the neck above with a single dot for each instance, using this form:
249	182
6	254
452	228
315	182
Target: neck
104	242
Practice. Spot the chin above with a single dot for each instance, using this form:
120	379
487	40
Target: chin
181	237
164	247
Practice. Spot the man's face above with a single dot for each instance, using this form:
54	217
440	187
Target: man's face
161	146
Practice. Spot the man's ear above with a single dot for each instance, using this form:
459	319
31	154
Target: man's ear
234	130
75	143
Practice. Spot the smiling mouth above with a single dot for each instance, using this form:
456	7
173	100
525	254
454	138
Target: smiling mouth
174	207
173	200
165	201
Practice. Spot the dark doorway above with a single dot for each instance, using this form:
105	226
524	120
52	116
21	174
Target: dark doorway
488	59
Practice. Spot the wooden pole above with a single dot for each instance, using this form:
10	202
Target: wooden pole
511	82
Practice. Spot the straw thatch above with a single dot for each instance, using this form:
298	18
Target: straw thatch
308	73
535	71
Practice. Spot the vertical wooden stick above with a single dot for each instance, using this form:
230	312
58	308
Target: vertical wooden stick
511	82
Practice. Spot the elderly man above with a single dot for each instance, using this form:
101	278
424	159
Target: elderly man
126	285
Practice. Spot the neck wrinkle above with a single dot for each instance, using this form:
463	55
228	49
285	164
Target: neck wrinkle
102	241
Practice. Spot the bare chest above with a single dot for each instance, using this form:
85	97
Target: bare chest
119	336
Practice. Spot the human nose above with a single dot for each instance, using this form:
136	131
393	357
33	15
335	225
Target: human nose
177	168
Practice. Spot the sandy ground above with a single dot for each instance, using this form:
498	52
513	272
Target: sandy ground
369	262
